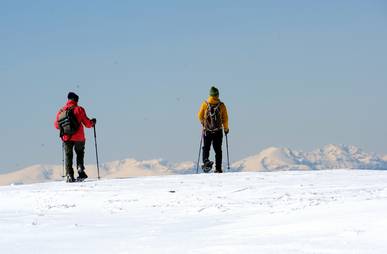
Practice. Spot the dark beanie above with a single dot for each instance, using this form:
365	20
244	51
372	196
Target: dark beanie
214	91
72	96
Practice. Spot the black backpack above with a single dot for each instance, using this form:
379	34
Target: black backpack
68	123
213	118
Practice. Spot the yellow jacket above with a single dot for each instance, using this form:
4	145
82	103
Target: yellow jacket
222	108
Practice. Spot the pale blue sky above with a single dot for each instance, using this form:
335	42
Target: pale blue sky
299	74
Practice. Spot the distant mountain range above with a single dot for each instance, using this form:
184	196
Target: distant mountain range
270	159
328	157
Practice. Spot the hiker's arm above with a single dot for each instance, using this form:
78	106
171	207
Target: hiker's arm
56	121
84	119
201	112
224	117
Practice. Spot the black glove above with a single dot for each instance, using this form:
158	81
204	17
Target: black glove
94	121
226	131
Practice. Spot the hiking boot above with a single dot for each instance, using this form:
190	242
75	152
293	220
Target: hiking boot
81	175
207	166
218	171
70	179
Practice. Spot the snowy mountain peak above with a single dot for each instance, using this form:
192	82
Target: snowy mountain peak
271	159
343	156
331	156
275	151
340	150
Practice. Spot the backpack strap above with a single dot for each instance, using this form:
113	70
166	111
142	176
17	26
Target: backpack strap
216	106
61	134
73	108
220	113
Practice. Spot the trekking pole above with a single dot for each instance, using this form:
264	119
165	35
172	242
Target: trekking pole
228	156
200	149
63	160
96	150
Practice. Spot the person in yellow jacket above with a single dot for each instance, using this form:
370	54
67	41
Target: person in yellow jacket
214	119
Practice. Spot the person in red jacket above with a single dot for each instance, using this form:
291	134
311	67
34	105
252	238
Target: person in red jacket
77	140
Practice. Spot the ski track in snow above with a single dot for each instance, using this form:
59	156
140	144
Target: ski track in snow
341	211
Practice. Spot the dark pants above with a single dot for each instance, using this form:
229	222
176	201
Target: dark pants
216	139
79	147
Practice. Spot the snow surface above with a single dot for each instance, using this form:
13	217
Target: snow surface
330	211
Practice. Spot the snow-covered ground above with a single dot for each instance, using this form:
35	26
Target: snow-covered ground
331	211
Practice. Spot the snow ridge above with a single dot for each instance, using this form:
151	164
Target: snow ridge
111	170
328	157
270	159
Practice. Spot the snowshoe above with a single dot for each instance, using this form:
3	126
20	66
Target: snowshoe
70	179
81	176
207	166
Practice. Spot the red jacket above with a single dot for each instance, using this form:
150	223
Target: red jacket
82	118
